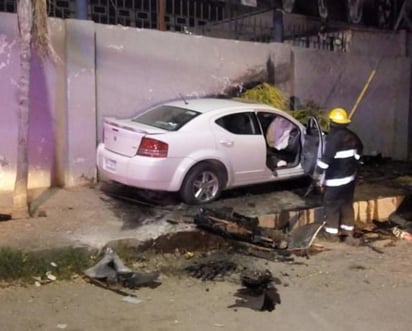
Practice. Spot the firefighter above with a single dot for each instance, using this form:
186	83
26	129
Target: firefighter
336	173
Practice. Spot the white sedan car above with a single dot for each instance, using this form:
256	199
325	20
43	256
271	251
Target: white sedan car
200	147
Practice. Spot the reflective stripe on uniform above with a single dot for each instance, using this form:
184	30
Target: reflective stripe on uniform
345	154
357	156
322	164
331	230
339	181
347	227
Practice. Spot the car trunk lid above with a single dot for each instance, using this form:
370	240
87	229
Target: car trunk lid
124	137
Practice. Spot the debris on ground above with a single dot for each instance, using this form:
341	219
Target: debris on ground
290	238
401	220
258	292
131	299
47	278
232	225
5	217
380	234
402	234
212	270
111	273
302	237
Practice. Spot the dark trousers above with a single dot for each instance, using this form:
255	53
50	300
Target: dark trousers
338	204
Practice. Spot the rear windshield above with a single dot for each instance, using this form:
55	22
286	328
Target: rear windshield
166	117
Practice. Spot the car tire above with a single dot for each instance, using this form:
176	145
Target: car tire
202	184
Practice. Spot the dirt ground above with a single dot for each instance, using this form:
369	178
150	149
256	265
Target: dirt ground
339	288
344	288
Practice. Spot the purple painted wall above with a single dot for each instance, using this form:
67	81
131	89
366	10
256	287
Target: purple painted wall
46	103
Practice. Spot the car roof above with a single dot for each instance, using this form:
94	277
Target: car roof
204	105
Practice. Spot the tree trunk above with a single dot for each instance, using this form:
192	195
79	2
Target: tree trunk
20	201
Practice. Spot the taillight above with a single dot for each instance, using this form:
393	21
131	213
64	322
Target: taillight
152	148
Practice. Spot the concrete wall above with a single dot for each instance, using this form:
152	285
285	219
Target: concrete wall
336	80
378	43
138	68
117	71
81	103
47	104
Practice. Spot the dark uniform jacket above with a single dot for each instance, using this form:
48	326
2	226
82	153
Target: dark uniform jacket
339	161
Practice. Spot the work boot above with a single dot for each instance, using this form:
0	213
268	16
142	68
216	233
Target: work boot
352	241
351	238
345	233
329	237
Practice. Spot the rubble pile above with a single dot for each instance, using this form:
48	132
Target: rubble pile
258	292
212	270
232	225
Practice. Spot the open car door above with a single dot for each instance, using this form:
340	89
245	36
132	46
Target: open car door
313	146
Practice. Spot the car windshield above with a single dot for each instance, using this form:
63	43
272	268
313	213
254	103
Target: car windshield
166	117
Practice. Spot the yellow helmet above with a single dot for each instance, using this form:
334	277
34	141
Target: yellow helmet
339	116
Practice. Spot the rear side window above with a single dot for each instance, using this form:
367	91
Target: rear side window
241	123
166	117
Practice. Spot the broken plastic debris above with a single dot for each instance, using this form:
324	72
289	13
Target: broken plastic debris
401	234
303	236
50	276
53	264
61	326
189	255
258	292
111	269
131	299
5	217
108	266
37	281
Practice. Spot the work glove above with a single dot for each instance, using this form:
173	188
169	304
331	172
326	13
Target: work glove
319	178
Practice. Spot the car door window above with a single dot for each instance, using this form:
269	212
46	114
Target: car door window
240	123
283	140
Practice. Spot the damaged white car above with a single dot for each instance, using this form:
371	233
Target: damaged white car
200	147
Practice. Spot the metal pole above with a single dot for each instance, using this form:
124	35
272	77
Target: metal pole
161	13
82	9
278	25
365	87
400	16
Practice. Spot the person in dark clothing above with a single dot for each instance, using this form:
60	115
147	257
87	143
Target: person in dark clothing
336	172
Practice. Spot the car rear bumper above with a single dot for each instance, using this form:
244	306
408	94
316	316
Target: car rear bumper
138	171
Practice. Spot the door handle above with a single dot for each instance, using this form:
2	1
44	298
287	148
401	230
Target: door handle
226	143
